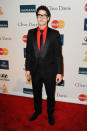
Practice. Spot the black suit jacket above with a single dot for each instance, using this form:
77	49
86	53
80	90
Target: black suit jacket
50	56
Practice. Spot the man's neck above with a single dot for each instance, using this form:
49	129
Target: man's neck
42	27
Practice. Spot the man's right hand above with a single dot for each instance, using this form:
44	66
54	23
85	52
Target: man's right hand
27	75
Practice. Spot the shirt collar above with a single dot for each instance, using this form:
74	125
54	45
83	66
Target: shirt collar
42	29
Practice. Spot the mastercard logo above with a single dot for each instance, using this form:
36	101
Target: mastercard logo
3	51
86	7
82	97
57	24
24	38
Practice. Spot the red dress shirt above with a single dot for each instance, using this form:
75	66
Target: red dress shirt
44	36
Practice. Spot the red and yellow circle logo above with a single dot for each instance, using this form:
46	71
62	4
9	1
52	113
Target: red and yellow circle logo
24	38
86	7
3	51
82	97
57	24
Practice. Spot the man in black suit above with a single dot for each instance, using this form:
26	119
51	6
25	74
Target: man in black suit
44	62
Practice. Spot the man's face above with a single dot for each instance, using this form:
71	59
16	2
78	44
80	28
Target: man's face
42	18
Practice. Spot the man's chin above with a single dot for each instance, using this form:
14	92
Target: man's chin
42	25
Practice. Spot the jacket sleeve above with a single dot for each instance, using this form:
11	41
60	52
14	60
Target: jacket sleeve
58	52
28	52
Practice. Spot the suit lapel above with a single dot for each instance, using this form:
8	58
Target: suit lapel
35	42
47	38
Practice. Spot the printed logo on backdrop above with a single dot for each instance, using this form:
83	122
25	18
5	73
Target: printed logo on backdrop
27	91
61	95
62	39
24	38
27	8
3	24
30	24
4	88
82	97
85	59
5	38
85	24
85	41
57	24
80	85
86	7
4	77
82	70
3	51
4	64
59	8
1	12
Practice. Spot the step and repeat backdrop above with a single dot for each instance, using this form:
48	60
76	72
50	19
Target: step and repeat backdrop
70	19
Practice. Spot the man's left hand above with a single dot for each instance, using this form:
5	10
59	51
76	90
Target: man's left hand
59	78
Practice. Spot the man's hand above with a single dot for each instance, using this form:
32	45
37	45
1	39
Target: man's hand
27	75
59	78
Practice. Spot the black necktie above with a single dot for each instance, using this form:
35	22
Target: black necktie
41	38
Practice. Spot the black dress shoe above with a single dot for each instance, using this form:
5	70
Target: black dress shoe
51	120
34	116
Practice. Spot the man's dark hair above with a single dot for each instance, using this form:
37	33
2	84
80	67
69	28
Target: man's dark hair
43	8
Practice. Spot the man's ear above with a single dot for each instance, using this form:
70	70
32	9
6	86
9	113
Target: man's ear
48	19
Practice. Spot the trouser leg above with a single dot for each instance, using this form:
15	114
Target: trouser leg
37	93
50	85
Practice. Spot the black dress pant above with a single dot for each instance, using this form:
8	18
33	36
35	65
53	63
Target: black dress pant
37	83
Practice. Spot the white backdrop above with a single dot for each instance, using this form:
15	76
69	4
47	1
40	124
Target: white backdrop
70	18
